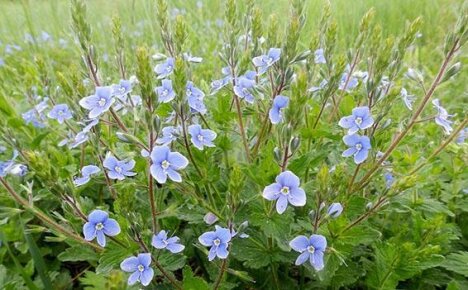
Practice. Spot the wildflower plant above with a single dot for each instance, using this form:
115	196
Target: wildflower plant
275	158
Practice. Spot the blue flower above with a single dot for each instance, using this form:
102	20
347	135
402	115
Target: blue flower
319	56
83	136
122	89
352	82
169	134
165	92
359	147
285	190
216	85
389	180
201	137
442	118
118	169
60	112
243	87
34	118
210	218
98	103
218	241
335	209
86	173
160	241
360	119
276	114
11	167
311	249
99	226
263	62
407	99
165	69
140	268
195	98
166	163
462	136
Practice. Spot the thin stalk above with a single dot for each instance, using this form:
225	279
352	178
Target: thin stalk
220	275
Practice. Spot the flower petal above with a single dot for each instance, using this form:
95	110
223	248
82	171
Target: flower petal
146	276
222	251
111	227
101	238
98	216
271	191
177	160
302	258
316	260
175	248
130	264
281	204
206	239
174	175
299	243
89	231
133	278
288	179
319	242
145	259
361	156
297	197
158	173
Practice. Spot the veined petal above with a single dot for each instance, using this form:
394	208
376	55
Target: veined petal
281	204
302	258
111	227
271	191
130	264
299	243
297	197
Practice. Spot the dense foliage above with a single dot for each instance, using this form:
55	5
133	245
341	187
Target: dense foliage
246	152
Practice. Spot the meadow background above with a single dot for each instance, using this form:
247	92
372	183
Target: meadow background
61	54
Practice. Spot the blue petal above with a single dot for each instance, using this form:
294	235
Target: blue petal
349	152
299	244
361	156
158	242
133	278
275	115
212	253
288	179
223	234
145	259
110	162
319	242
351	140
89	231
174	175
111	227
175	248
98	216
101	238
297	197
206	239
222	251
281	204
272	191
159	154
302	258
158	173
177	160
146	276
89	170
130	264
316	260
81	180
362	112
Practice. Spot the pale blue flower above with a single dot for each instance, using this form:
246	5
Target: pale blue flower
99	226
276	111
352	82
165	92
442	118
122	89
165	69
118	169
60	112
86	173
311	249
210	218
285	190
160	241
83	135
218	241
359	147
216	85
98	103
11	167
462	136
243	88
166	163
360	119
319	57
195	98
335	209
169	134
389	179
407	99
140	268
263	62
201	137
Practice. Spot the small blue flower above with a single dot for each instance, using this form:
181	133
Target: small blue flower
34	118
335	209
195	98
165	69
201	137
210	218
169	134
11	167
86	173
319	57
462	136
98	103
263	62
276	114
360	119
160	241
216	85
165	92
389	179
60	112
140	268
407	99
243	87
190	58
118	169
285	190
218	241
83	136
166	163
311	249
442	118
122	89
99	226
352	82
359	147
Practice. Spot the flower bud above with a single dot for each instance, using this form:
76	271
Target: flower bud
335	210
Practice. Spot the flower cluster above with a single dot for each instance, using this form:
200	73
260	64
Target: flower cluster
359	146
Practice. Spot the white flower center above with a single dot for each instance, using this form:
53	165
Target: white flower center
60	113
102	102
122	90
358	146
189	92
269	60
216	242
165	242
311	249
358	121
118	169
168	68
99	226
165	164
165	92
141	268
200	138
216	84
285	190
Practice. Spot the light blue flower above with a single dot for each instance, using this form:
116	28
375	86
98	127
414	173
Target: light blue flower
140	268
99	226
60	112
83	135
263	62
335	209
352	82
86	173
276	111
160	241
285	190
195	98
165	92
210	218
169	134
319	57
218	241
165	69
359	120
98	103
442	118
389	179
11	167
462	136
118	169
166	164
311	249
407	99
243	87
359	147
216	85
122	89
201	137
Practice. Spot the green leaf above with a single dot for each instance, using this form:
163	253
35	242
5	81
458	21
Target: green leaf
193	283
78	253
457	262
